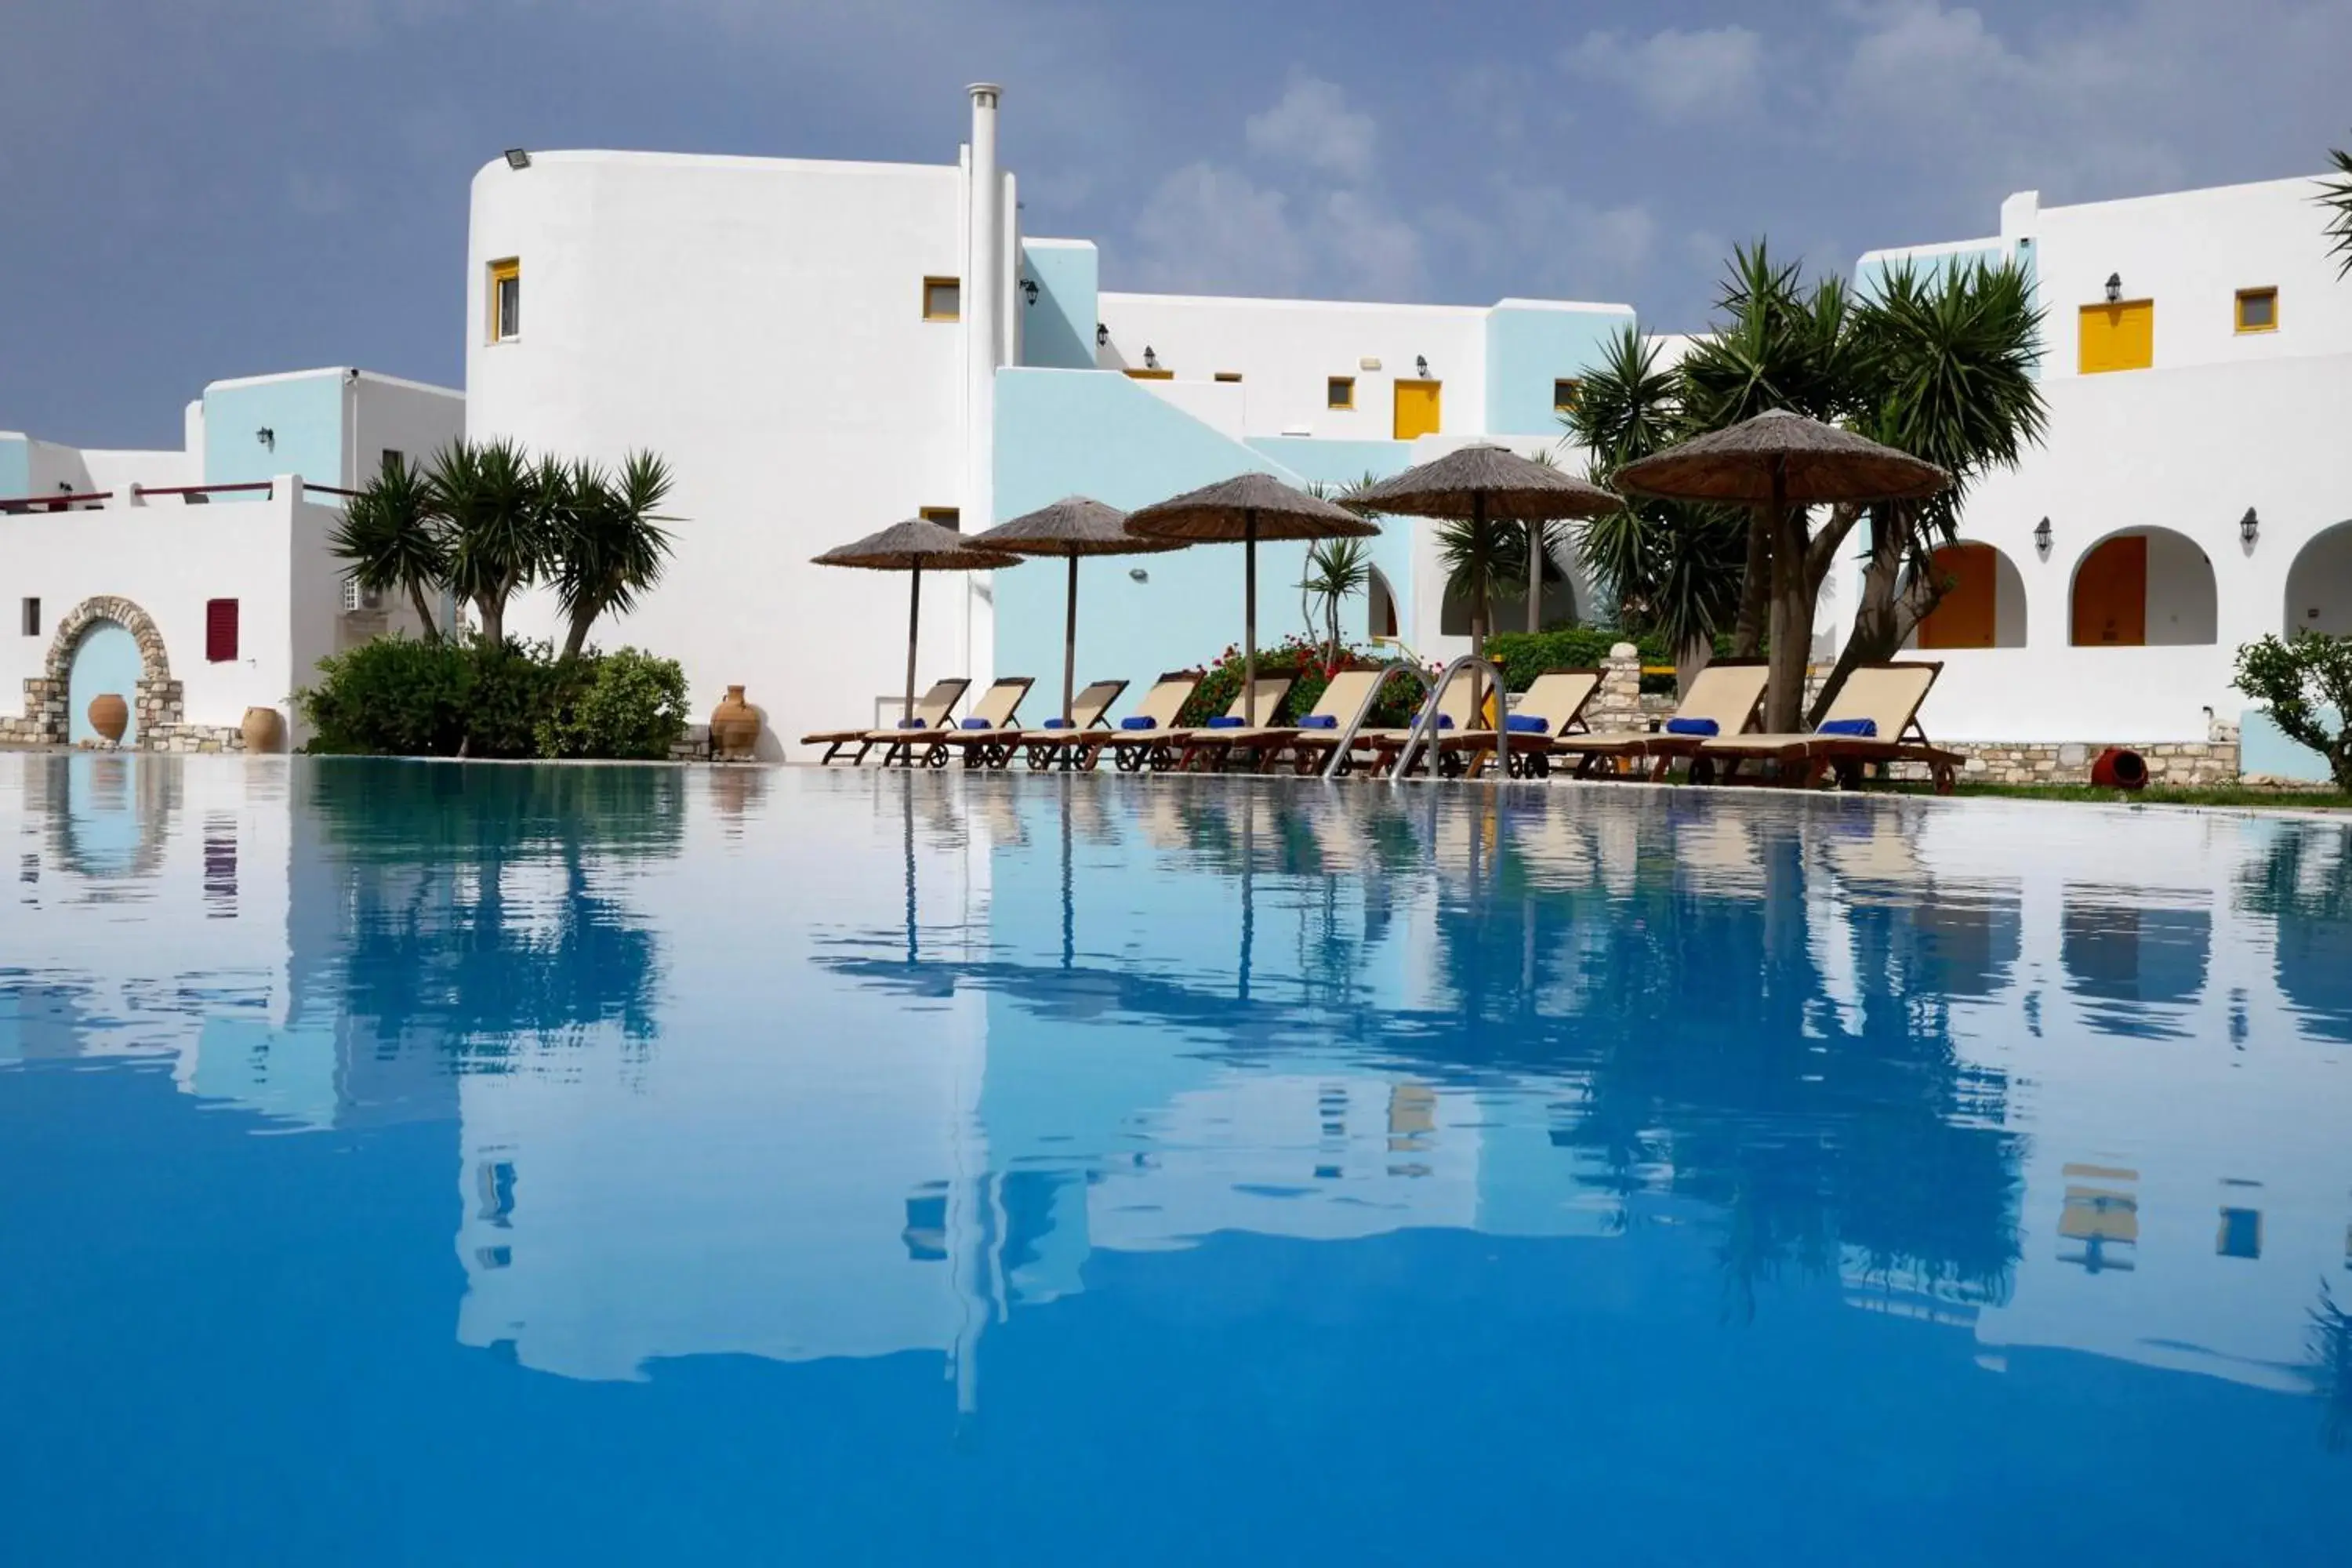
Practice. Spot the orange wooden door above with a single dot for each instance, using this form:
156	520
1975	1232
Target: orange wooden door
1418	404
1964	617
2111	595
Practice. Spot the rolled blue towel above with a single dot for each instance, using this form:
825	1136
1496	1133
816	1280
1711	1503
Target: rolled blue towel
978	724
1867	728
1525	724
1445	720
1319	721
1139	722
1058	724
912	724
1228	721
1693	727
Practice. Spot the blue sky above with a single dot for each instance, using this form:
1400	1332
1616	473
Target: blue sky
195	189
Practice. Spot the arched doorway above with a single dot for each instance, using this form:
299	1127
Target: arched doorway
2143	587
105	660
2320	583
1380	607
1508	611
1983	603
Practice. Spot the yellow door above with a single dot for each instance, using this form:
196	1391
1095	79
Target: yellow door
2118	337
1963	617
1416	408
2111	595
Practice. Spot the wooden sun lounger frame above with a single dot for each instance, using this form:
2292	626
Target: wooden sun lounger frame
834	741
1131	749
982	748
1657	749
1808	761
1043	747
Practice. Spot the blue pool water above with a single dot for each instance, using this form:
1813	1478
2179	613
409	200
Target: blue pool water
435	1163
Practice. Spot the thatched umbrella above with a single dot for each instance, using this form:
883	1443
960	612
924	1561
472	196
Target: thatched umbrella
1769	464
1248	507
1071	527
914	547
1482	483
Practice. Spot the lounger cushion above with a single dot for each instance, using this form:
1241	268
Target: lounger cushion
978	724
912	724
1693	727
1228	721
1525	724
1139	722
1319	721
1057	723
1867	728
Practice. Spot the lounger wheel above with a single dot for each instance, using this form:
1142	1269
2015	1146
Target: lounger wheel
1702	770
937	757
1945	776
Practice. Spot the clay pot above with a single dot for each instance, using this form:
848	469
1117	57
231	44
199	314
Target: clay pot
109	715
2116	768
264	732
734	727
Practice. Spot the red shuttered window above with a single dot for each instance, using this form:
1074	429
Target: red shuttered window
220	630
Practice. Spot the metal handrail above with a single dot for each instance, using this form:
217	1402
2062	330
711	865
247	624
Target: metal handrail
1426	720
1338	758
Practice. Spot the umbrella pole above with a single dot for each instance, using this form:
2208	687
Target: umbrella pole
914	614
1535	575
1249	618
1070	641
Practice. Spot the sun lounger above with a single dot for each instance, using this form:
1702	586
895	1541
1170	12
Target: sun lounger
1343	694
1198	744
1161	747
1876	719
1552	706
932	710
1380	747
1089	710
1726	694
988	735
1130	741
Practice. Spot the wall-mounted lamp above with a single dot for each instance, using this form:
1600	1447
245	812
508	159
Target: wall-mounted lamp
2249	527
1150	360
1138	574
2041	537
266	437
1102	336
518	159
1029	289
2115	288
1421	366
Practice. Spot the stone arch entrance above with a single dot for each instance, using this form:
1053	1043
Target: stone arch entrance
156	704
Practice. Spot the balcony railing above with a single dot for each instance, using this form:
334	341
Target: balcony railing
190	495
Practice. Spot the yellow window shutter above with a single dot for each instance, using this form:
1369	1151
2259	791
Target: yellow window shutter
2118	337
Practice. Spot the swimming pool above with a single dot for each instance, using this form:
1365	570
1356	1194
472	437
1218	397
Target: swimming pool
489	1164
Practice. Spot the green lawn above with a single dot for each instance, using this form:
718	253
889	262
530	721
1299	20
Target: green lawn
2154	795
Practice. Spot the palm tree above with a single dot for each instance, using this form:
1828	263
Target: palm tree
2336	194
609	544
1482	557
1664	566
1336	570
392	536
496	507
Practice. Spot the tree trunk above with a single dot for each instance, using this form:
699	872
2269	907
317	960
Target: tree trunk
1888	612
424	612
1793	618
1535	575
1755	591
577	638
493	612
1694	656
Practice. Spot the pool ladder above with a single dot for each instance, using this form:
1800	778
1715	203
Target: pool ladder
1425	720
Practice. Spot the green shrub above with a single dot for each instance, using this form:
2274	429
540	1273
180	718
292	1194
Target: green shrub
1526	655
632	704
1303	662
398	698
2304	684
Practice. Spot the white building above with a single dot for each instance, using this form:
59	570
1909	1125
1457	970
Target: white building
198	583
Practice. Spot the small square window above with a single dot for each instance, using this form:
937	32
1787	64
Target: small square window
2258	309
1564	394
392	460
942	300
1340	391
945	516
32	618
2241	1234
506	300
220	631
1229	375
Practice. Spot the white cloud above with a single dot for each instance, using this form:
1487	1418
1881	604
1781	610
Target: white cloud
1207	228
1678	76
1311	124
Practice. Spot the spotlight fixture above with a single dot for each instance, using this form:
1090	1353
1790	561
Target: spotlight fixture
518	159
1421	366
1102	335
1150	360
1029	289
2249	526
2042	536
266	437
2115	288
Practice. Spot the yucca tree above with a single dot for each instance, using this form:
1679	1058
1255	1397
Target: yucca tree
391	536
608	543
497	508
1664	566
1337	570
2335	195
1483	558
1950	370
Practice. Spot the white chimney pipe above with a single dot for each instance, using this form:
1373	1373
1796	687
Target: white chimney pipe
984	323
